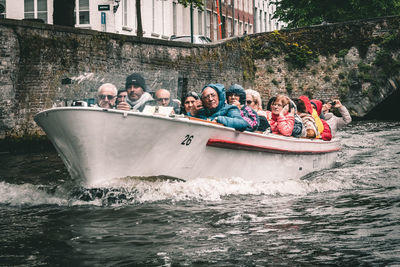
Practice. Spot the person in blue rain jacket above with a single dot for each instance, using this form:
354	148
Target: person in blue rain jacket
214	108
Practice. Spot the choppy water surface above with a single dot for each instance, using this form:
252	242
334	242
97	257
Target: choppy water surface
347	215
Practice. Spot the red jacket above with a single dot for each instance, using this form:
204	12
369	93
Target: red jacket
282	124
326	133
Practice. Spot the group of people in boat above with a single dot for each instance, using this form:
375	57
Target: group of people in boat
235	107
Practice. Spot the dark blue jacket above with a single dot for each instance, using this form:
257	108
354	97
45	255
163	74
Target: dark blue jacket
298	122
225	114
298	126
247	113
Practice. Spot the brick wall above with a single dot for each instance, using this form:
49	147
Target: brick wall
46	65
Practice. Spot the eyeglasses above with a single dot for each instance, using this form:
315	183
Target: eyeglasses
277	105
109	97
162	99
249	102
211	96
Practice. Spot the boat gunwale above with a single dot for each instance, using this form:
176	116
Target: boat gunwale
220	143
185	119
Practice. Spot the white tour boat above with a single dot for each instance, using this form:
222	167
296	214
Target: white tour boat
100	144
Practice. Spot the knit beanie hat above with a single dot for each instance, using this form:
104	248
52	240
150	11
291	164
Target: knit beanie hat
137	80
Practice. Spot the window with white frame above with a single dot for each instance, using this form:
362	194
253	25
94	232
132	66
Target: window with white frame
200	22
82	12
174	21
265	21
229	27
208	24
125	13
35	9
153	16
215	22
29	9
42	10
235	27
3	5
162	18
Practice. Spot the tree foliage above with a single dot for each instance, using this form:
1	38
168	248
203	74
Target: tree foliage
196	3
298	13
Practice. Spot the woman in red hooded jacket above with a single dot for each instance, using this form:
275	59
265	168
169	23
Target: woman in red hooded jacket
323	127
326	134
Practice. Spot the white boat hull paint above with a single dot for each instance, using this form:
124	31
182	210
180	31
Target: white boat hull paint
97	145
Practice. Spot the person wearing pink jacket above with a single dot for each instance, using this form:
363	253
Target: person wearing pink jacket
282	116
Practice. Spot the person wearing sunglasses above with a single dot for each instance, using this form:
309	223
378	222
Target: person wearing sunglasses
163	98
107	95
237	96
253	99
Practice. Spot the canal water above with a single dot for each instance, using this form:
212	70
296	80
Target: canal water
347	215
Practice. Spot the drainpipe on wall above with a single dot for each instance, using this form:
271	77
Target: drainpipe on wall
191	23
233	17
254	17
220	16
205	18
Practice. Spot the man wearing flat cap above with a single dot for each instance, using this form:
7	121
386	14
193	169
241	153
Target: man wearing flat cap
137	95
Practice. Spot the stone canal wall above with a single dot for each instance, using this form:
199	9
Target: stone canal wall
44	65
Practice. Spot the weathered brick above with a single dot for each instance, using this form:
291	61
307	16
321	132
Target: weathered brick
46	65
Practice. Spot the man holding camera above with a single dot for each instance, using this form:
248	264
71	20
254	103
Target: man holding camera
136	87
333	121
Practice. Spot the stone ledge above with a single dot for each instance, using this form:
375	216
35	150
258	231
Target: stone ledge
79	31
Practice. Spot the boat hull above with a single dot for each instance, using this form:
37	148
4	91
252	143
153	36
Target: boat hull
97	145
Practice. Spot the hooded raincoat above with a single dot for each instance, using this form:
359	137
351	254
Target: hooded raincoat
326	134
225	114
247	113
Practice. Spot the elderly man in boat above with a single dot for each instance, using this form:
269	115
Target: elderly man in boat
163	99
106	95
212	107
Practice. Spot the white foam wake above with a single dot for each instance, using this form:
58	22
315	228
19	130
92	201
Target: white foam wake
133	190
27	194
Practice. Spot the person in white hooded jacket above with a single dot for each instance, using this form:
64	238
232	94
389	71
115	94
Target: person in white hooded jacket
334	122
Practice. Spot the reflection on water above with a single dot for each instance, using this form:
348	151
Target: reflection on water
347	215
